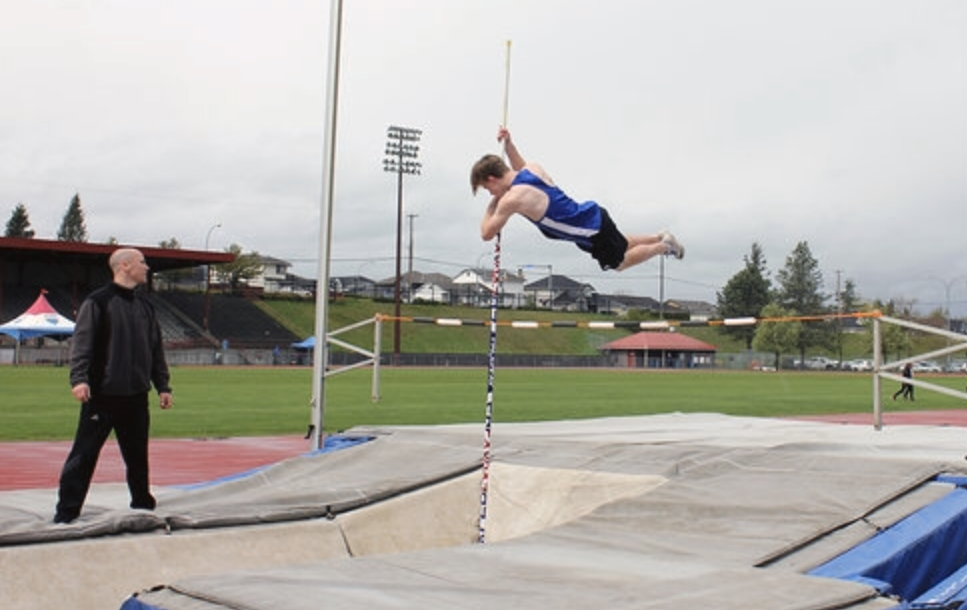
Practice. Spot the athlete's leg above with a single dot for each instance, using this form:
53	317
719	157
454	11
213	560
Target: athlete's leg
643	240
641	251
644	247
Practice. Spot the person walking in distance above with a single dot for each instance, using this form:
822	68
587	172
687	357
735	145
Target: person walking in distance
116	356
906	389
525	188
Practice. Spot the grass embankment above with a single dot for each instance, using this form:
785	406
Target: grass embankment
222	401
299	317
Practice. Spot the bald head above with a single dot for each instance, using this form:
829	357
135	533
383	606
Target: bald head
122	255
128	267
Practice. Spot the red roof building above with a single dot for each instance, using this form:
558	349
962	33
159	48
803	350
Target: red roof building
660	350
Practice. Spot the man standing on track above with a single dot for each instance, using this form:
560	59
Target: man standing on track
116	356
525	188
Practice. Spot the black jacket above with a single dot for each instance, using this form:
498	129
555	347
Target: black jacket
117	348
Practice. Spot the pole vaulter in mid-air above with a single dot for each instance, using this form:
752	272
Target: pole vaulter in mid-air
525	188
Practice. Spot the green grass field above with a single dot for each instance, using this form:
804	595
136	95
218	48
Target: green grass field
35	402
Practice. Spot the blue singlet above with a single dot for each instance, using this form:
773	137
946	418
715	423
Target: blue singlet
565	218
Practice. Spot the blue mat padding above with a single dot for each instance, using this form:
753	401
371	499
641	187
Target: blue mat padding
913	556
329	444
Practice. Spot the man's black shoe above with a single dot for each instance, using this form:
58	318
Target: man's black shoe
148	503
64	518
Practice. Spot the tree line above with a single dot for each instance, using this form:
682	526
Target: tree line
247	265
797	291
72	227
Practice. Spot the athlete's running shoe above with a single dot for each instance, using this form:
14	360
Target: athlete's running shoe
672	247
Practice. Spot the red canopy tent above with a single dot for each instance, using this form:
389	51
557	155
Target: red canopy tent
39	320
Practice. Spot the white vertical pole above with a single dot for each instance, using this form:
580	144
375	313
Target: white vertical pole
377	354
321	351
877	382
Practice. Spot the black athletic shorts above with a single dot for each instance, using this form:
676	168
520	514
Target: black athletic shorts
608	245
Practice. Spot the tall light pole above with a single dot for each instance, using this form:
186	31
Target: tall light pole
401	154
409	272
208	278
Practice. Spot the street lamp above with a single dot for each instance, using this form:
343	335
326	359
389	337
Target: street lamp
208	277
401	154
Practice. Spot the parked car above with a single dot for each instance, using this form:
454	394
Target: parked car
957	366
926	366
820	363
859	364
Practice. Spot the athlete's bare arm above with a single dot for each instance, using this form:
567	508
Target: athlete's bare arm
495	217
514	157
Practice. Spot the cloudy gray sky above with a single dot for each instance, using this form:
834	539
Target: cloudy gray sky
842	123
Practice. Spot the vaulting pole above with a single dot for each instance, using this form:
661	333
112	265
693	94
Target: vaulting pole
492	354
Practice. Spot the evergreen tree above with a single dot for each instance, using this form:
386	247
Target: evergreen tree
19	223
745	295
72	227
800	282
849	299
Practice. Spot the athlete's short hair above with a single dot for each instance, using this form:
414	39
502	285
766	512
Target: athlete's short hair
487	166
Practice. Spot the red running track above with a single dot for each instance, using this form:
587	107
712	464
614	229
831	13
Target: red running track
33	465
37	464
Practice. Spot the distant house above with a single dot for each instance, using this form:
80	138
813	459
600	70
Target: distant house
427	287
559	292
660	350
621	304
474	287
356	285
416	286
274	278
697	310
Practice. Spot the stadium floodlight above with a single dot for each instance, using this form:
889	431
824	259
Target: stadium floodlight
402	152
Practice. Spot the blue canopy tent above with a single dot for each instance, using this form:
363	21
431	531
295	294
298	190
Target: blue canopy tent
309	343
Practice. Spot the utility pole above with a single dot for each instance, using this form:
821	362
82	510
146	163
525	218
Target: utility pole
401	155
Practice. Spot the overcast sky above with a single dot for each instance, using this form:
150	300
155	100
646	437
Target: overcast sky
842	123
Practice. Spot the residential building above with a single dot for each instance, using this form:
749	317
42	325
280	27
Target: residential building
274	278
356	285
474	287
559	292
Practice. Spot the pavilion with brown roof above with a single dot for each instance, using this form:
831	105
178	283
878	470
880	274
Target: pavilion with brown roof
660	350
